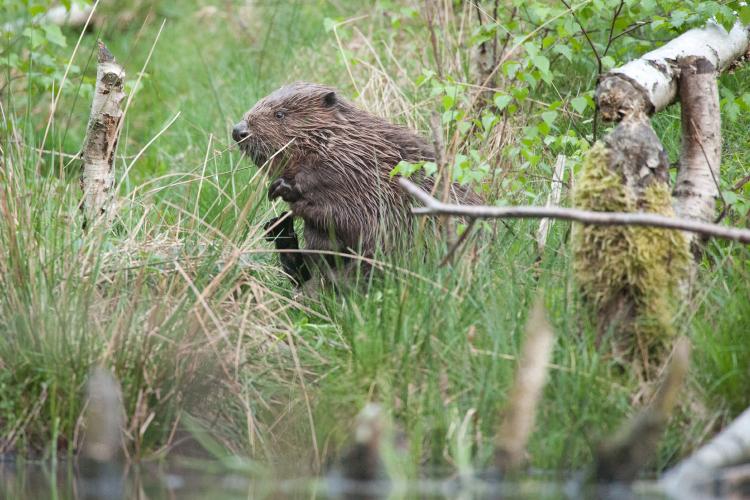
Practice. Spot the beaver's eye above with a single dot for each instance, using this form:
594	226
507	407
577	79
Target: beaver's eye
279	115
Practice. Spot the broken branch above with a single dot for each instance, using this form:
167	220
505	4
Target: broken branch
436	207
649	84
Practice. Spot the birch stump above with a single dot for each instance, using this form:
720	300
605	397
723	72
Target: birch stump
97	176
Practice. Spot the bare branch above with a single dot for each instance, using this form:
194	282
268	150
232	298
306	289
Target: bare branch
435	207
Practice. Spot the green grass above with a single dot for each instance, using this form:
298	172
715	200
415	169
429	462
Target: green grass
189	331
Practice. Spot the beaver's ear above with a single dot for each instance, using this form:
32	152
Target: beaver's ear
329	99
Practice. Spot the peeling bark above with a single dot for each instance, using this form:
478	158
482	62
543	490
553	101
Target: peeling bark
649	84
637	154
697	188
97	177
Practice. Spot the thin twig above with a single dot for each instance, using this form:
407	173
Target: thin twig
452	250
612	27
433	38
435	207
586	35
599	66
741	183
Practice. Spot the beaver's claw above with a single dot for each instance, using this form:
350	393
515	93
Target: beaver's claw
281	188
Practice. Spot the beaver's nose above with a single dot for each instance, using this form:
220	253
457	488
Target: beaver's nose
240	132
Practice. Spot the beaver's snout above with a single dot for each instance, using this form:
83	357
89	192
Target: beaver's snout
240	132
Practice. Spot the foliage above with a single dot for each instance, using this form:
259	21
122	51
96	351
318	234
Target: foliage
232	348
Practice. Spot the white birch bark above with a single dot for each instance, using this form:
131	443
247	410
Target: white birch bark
650	82
730	447
97	177
697	188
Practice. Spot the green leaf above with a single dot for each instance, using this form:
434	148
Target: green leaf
730	197
54	35
430	167
549	117
35	35
541	62
448	102
502	101
463	126
329	24
745	15
579	104
488	121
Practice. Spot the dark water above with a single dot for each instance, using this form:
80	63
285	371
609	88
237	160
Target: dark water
68	481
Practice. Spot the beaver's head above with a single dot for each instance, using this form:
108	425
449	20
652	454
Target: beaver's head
294	119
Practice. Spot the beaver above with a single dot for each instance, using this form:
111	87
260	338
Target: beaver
334	163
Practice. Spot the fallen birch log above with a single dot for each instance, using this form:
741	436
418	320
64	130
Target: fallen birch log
694	476
97	173
649	83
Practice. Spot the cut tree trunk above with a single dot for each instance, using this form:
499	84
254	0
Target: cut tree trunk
649	84
97	177
629	275
523	400
697	185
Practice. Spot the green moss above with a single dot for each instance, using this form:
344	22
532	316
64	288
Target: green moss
642	265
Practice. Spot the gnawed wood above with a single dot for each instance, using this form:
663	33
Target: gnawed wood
649	84
103	419
624	456
97	176
531	376
697	187
363	461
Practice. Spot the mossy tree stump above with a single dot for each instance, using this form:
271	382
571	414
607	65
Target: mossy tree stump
631	276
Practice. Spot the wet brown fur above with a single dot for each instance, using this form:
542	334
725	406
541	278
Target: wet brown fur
338	159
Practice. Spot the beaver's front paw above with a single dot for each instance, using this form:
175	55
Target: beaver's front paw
281	230
281	188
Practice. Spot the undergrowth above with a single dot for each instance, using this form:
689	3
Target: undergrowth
185	302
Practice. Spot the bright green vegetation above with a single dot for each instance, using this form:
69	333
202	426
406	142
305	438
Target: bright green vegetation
202	337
